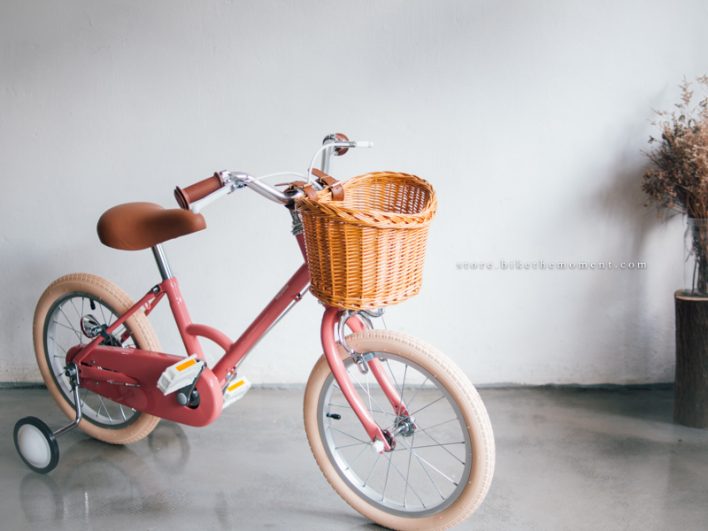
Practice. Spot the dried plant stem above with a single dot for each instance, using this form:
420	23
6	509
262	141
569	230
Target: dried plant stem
678	179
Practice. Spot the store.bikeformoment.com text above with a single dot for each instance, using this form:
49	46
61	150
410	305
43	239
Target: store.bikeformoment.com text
551	265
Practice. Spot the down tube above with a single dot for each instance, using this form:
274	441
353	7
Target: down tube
289	293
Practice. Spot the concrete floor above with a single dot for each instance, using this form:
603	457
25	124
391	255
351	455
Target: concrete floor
566	459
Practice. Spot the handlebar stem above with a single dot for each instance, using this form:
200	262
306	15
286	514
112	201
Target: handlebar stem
337	144
327	152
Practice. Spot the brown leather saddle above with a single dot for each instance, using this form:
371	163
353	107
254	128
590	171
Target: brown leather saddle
135	226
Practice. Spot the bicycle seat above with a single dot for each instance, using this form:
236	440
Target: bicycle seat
135	226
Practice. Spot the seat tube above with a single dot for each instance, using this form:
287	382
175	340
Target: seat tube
161	259
177	304
182	318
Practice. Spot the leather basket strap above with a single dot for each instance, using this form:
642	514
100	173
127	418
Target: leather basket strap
310	192
327	180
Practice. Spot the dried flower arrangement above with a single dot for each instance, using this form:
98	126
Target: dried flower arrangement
678	178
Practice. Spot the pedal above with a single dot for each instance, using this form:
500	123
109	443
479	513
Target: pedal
236	390
180	375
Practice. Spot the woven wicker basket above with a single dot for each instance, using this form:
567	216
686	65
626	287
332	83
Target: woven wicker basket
367	250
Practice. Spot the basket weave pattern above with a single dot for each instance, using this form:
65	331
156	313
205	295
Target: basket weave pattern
367	251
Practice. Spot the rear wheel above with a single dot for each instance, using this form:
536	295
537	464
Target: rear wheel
68	306
442	465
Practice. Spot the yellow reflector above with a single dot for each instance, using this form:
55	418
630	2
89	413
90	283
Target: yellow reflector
236	385
182	366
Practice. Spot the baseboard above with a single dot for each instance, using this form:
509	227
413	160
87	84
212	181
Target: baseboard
588	387
297	386
22	385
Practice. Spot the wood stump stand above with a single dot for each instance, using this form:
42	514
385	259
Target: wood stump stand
691	385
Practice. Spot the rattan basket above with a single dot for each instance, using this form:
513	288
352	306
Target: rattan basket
367	250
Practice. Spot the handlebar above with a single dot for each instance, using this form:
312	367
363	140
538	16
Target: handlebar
198	195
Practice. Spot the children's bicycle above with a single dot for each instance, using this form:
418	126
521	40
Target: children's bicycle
396	428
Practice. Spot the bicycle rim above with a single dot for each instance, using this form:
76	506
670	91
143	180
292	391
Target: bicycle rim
430	466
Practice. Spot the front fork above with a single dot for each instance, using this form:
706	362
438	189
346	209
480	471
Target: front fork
382	440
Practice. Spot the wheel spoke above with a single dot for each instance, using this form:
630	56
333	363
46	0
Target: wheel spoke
368	392
332	428
83	400
436	469
388	469
420	462
439	424
427	405
417	390
370	397
100	307
68	328
390	460
408	472
356	458
347	406
433	467
443	446
388	364
68	321
105	408
350	445
59	346
75	309
376	462
435	485
440	445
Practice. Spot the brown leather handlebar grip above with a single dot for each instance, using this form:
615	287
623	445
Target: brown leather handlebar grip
195	192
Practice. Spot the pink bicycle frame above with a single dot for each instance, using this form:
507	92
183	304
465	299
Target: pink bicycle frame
235	352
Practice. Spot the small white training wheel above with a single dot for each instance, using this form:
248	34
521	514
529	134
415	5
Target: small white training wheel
36	444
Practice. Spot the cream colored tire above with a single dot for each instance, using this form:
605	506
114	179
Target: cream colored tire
474	419
110	295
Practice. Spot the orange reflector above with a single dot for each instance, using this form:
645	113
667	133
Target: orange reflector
185	364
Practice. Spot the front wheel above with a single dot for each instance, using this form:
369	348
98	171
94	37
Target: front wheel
443	461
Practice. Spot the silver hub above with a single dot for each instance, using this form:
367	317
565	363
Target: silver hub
90	326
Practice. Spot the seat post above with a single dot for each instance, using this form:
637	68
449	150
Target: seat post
161	259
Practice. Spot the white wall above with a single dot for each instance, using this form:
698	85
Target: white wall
529	118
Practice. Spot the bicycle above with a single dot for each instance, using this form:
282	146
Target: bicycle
433	449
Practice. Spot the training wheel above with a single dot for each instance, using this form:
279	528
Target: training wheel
36	444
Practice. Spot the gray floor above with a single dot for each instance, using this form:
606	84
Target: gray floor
566	459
